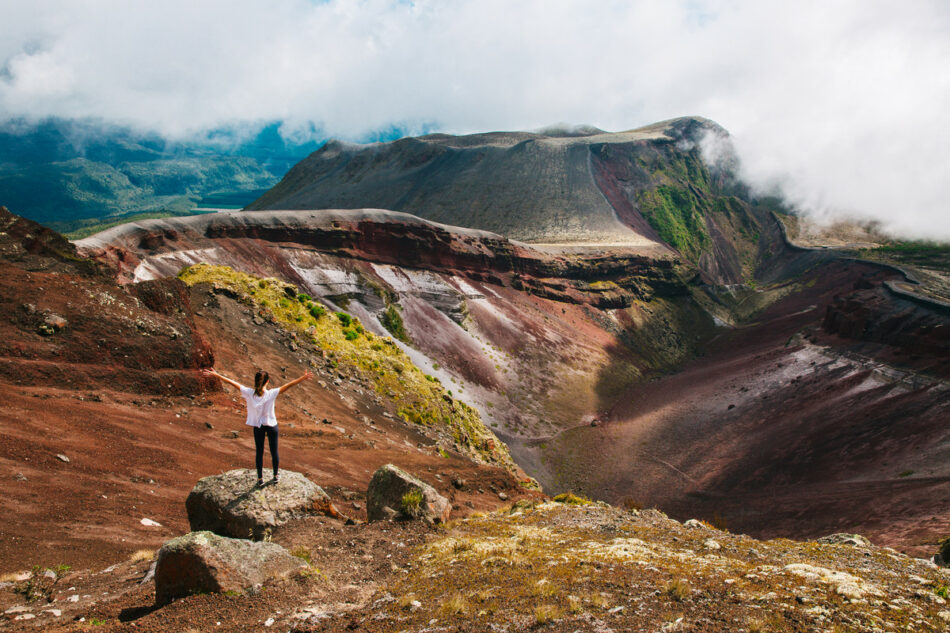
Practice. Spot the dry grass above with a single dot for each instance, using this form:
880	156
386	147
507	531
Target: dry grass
405	602
141	555
574	605
586	560
455	606
544	613
677	589
572	499
484	595
599	600
544	588
302	552
629	503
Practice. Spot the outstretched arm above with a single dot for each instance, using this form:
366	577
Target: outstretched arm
210	372
296	381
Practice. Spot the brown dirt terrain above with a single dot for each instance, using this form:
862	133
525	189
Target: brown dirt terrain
790	424
115	390
786	429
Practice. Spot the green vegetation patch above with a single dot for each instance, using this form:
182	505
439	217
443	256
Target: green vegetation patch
392	321
675	214
378	359
411	503
572	499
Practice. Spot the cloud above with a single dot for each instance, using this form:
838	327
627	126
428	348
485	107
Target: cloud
842	103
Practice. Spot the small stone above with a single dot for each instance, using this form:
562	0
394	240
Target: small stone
326	421
54	612
20	477
503	496
711	544
62	458
208	425
73	598
150	523
269	622
55	321
415	605
25	616
235	434
357	506
18	609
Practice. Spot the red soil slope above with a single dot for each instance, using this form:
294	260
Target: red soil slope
117	392
786	429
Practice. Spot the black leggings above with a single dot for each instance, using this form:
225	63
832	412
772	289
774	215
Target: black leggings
271	433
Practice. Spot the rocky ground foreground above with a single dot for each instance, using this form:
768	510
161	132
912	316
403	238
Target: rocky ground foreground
546	566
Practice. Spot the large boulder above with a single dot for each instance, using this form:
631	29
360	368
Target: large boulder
394	493
232	504
203	562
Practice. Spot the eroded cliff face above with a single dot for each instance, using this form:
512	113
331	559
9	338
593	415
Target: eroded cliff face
70	324
537	342
885	323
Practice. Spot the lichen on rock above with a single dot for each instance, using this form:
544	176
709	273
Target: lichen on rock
232	504
203	562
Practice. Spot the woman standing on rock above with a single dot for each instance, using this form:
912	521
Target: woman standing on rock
261	416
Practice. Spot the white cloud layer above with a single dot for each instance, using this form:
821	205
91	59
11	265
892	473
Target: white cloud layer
844	103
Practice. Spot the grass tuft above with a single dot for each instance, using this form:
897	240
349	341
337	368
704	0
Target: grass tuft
572	499
411	503
454	606
677	590
141	555
544	613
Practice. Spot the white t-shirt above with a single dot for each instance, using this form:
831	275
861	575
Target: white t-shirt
260	409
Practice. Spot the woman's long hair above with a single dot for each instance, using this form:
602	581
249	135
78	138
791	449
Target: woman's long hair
260	379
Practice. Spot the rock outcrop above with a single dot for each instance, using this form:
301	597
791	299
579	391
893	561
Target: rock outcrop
231	504
394	493
942	557
843	538
203	562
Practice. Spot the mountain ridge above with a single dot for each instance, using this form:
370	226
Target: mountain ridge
649	188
